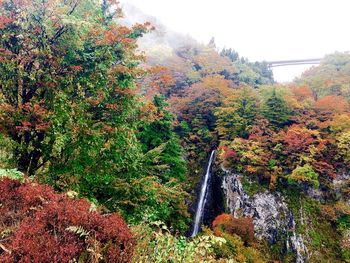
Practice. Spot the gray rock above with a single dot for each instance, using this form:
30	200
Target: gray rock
273	220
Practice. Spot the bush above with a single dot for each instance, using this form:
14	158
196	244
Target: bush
234	248
7	146
11	173
226	223
39	225
158	246
304	174
343	145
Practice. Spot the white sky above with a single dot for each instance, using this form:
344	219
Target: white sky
260	29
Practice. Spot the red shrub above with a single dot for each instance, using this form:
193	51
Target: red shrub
228	153
50	227
298	139
226	223
324	168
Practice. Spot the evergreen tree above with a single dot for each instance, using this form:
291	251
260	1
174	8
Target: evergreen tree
230	53
275	110
160	133
237	114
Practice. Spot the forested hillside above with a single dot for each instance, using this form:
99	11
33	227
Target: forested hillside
106	128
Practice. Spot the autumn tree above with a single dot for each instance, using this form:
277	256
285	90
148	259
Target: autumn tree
330	78
197	108
343	145
304	174
70	103
47	225
298	139
67	68
332	104
226	223
237	114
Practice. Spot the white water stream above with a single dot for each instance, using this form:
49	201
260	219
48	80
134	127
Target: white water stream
202	197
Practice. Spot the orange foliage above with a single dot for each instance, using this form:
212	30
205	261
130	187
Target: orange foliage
302	93
202	98
158	79
226	223
328	212
210	62
299	138
148	112
332	104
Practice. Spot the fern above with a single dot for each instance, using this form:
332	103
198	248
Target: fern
12	174
78	230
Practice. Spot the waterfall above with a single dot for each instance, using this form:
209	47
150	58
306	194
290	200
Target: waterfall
202	197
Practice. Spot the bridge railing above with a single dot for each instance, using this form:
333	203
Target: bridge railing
279	63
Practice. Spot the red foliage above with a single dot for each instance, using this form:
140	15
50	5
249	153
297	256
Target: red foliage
243	227
298	139
260	132
36	118
324	168
40	218
5	19
228	153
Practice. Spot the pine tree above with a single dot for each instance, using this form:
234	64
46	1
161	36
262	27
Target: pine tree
276	110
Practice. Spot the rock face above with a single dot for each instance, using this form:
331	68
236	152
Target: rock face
272	219
341	181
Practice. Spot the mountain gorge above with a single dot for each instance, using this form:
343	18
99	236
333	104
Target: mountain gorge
122	141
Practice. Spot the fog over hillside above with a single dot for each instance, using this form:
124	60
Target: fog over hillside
259	30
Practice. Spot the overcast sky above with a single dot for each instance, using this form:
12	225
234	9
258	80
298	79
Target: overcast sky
260	29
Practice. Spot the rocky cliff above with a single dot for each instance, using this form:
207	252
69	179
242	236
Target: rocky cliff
273	220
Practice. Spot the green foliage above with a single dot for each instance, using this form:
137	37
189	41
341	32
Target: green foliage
234	249
237	114
148	198
304	174
161	132
322	239
12	174
330	78
69	101
160	246
252	187
275	110
344	222
7	146
253	74
343	145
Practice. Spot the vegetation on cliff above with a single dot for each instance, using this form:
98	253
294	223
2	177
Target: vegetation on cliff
101	147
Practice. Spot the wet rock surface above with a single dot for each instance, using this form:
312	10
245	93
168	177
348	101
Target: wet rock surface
273	220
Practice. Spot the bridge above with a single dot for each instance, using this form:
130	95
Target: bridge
280	63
